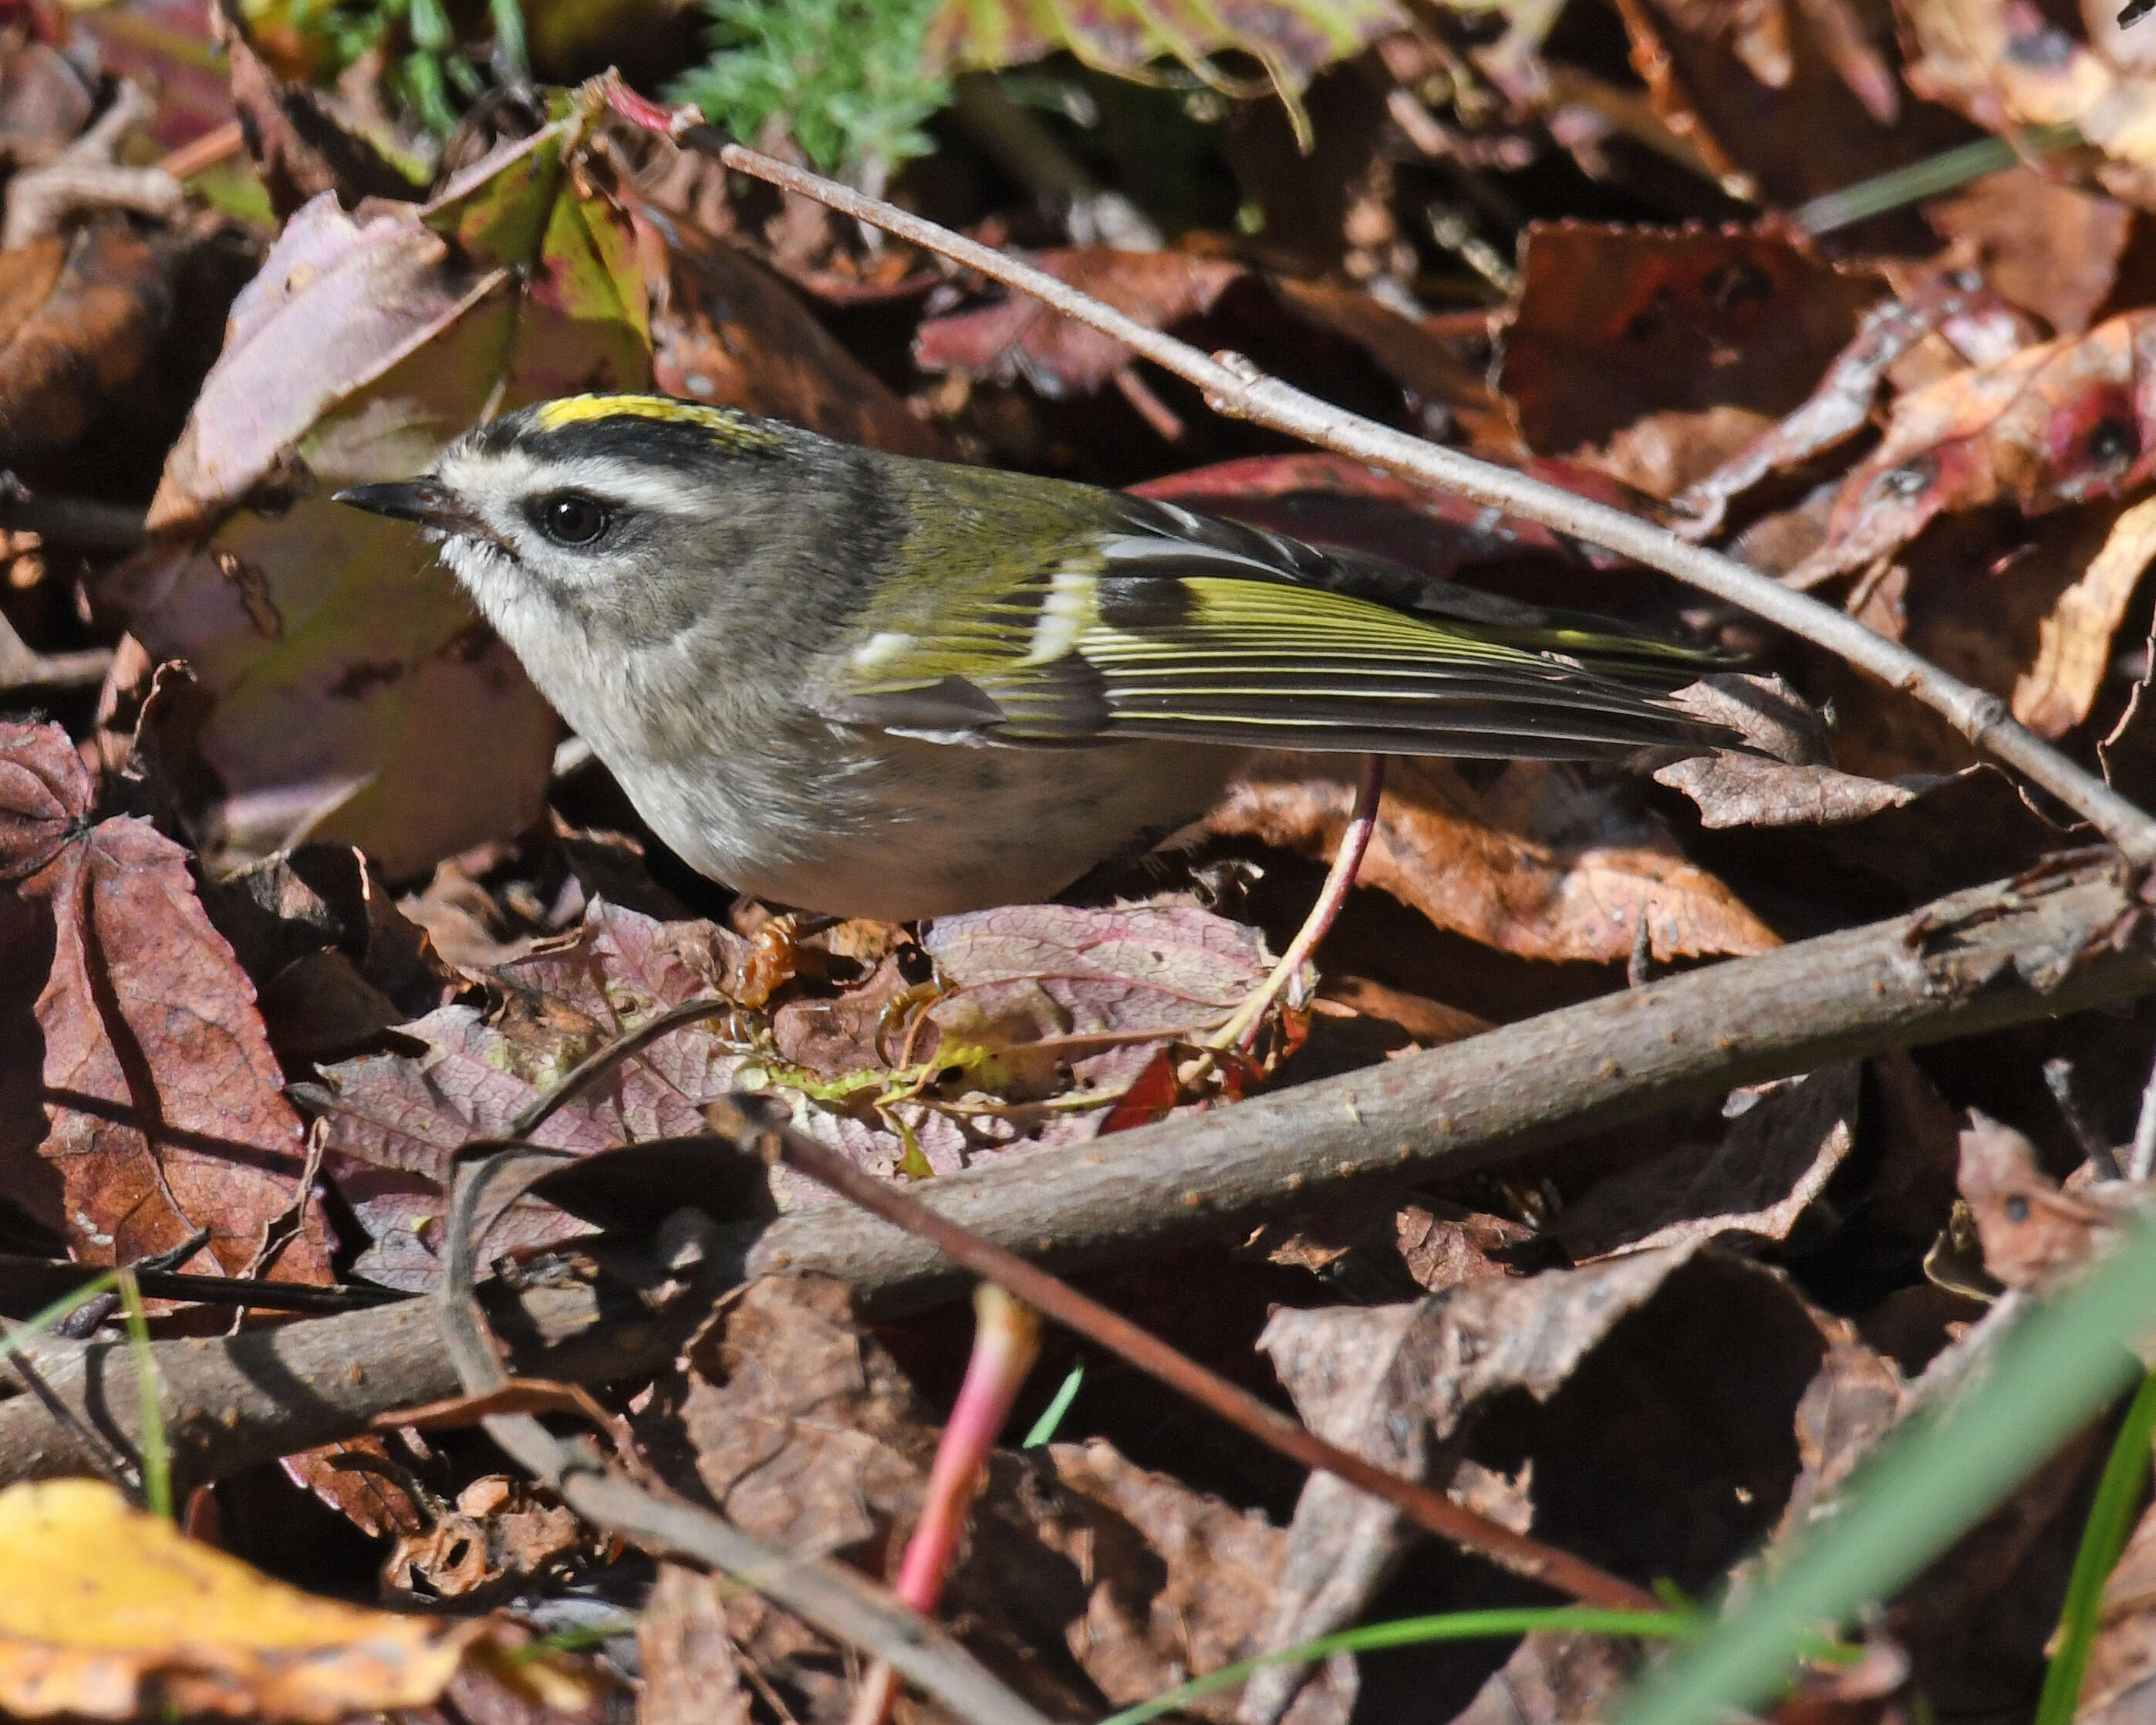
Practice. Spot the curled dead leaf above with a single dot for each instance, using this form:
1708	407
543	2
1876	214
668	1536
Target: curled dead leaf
2035	1233
2052	425
1543	861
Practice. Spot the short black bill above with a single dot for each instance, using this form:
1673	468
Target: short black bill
425	501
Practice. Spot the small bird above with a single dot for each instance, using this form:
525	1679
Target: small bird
850	682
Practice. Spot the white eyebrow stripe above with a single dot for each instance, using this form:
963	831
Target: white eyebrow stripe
515	473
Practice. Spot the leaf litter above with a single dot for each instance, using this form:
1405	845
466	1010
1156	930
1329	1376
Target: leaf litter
284	929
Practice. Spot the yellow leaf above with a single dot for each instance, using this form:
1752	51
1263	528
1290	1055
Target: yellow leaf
107	1613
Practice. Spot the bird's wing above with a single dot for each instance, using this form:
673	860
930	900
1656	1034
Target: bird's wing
1164	624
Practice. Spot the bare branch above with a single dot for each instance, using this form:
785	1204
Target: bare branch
2075	937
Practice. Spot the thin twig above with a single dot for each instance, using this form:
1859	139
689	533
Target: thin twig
20	667
1236	388
736	1118
2141	1162
596	1064
79	523
53	1276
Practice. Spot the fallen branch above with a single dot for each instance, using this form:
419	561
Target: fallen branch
737	1118
2071	938
1236	388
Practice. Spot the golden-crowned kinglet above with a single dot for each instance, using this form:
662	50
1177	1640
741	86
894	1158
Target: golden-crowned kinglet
849	682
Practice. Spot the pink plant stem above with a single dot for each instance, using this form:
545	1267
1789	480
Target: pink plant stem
1339	882
1006	1342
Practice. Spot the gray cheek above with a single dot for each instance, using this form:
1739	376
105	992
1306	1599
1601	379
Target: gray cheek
641	598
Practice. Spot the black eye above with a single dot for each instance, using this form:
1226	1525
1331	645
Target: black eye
571	518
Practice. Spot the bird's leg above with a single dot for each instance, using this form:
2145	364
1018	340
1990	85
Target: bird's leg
1339	879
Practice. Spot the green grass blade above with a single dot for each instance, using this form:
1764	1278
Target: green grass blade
1051	1416
157	1454
1927	1486
2103	1537
510	45
1412	1631
1929	178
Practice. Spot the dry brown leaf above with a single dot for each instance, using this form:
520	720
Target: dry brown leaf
1929	833
2119	1685
355	1478
107	1613
1554	1679
1851	1403
2035	1233
300	148
804	1432
1839	405
357	694
1201	1607
1036	1003
691	1669
1045	1000
79	319
166	1111
1393	1384
1734	790
2073	652
724	330
2055	424
1544	861
2049	248
1612	323
1020	337
1784	100
1444	1244
501	1534
45	100
2007	66
1764	1172
1663	455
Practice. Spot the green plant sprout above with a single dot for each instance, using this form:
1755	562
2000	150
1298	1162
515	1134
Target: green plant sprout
157	1455
2103	1537
1051	1417
846	76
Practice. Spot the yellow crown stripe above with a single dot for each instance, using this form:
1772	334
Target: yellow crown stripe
724	426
